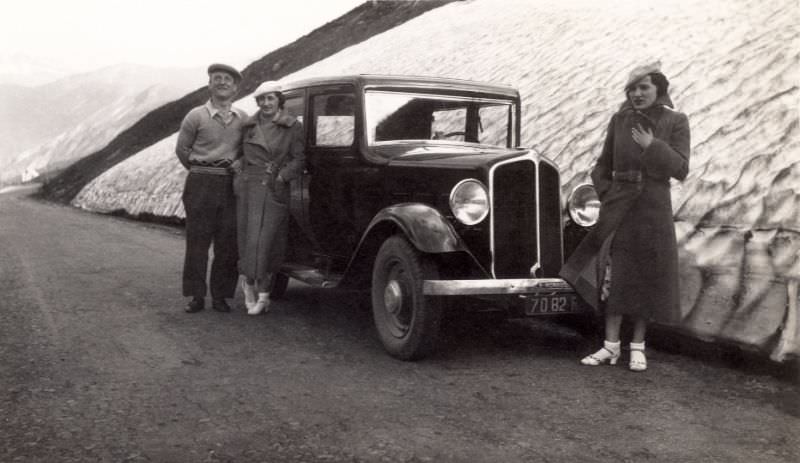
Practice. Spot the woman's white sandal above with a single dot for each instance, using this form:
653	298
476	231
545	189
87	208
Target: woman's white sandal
249	292
261	305
638	360
609	353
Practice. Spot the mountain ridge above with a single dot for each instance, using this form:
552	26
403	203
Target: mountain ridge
33	118
27	71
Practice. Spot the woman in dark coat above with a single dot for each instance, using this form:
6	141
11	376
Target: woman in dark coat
628	264
273	156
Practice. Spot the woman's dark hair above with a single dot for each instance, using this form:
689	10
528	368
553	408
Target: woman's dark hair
658	79
661	83
279	95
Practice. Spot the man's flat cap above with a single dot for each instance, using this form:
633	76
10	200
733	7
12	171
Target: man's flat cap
219	67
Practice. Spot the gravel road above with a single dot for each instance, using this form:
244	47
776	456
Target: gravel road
100	363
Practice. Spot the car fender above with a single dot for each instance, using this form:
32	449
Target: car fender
425	227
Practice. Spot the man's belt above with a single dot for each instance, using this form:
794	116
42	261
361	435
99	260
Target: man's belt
629	176
198	169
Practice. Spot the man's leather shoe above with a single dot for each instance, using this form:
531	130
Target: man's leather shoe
220	305
195	305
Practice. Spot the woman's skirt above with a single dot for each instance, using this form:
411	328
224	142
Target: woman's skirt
262	224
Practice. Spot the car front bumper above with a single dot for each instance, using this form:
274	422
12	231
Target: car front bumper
524	296
491	287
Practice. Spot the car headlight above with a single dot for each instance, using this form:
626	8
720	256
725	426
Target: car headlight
469	201
583	205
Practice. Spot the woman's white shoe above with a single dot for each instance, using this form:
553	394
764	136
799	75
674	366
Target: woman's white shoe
261	305
638	360
249	292
609	353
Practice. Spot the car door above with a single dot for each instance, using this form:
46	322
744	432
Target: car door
299	239
327	184
295	106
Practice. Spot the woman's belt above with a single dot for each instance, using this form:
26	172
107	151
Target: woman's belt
628	176
266	168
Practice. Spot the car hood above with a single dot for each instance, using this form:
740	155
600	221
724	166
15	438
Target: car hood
444	155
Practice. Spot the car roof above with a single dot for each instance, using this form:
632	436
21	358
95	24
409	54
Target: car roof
404	81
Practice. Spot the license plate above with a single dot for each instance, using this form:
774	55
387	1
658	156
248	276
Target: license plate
552	304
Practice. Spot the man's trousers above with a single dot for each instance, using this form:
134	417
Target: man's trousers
210	207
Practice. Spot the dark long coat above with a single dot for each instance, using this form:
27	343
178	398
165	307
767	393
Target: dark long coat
635	227
271	148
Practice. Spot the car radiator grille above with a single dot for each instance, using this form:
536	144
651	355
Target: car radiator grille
514	219
550	227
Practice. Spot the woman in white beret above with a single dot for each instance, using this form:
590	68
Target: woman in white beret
628	264
273	156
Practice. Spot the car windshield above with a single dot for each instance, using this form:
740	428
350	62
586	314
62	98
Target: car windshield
393	116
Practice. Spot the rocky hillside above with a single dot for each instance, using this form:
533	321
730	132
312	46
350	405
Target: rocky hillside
358	25
733	65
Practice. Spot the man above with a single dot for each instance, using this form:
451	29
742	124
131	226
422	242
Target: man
209	141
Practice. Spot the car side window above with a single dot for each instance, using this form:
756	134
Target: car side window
334	119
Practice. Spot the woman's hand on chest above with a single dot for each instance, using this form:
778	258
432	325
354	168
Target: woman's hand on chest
643	137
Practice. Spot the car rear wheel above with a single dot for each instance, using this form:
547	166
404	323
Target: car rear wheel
408	323
278	287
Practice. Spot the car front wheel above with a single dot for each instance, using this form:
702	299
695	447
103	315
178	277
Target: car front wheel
408	323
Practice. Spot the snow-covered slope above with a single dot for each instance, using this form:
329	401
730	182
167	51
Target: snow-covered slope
734	70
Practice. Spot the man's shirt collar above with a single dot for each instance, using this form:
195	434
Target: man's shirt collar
212	111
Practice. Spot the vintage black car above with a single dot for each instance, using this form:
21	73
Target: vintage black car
414	189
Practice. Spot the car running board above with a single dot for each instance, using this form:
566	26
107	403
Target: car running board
311	276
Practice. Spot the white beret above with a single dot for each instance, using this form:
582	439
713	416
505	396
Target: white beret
269	86
640	71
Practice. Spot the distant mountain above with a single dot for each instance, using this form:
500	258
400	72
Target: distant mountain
20	109
23	70
45	128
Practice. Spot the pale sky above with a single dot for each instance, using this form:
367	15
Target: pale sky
88	34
